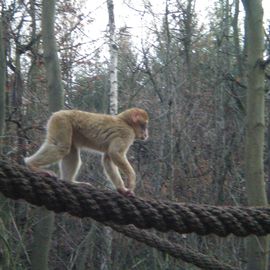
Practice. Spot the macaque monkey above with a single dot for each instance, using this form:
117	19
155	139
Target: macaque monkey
68	131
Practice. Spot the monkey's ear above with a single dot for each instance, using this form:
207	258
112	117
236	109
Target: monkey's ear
135	116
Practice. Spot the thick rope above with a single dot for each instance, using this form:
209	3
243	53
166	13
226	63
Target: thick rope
81	200
176	251
163	245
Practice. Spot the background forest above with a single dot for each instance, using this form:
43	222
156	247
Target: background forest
188	70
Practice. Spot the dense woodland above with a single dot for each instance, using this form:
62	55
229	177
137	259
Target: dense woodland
190	74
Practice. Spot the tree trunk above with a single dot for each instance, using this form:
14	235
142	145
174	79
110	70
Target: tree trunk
52	66
44	228
113	60
4	252
257	248
103	247
103	235
2	85
238	53
42	239
84	249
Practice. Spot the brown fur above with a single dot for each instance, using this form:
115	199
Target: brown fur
68	131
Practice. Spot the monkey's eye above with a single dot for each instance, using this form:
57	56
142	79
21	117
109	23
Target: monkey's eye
143	126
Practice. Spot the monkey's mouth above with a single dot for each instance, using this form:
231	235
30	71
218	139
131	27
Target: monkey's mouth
143	138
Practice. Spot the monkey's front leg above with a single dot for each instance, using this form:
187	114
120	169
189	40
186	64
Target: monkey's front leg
113	174
122	163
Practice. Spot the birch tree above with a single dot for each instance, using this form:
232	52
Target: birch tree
103	235
113	103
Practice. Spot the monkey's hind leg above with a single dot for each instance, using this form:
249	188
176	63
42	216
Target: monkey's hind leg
57	143
70	165
47	154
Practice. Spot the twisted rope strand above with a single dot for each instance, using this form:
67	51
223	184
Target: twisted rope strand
176	251
82	200
17	182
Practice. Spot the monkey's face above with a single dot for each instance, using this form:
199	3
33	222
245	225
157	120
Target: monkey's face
138	119
142	131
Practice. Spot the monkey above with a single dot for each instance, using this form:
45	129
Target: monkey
69	131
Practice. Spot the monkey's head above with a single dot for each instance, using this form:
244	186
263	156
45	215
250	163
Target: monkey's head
138	119
140	123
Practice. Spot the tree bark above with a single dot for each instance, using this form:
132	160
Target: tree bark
42	239
52	66
113	60
2	85
257	248
4	252
236	40
45	226
103	235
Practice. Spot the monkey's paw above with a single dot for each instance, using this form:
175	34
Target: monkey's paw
42	172
126	192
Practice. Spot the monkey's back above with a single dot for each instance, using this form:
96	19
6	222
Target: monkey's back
91	130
